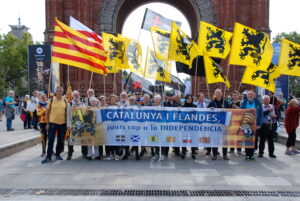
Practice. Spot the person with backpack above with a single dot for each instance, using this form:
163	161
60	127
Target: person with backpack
56	122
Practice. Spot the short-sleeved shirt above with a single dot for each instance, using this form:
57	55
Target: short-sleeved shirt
57	109
9	99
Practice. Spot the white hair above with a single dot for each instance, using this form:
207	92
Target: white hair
123	93
132	98
157	96
265	96
27	97
75	92
93	98
146	95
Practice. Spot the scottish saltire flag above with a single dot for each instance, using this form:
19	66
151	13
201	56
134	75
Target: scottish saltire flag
289	60
73	48
250	48
213	40
153	19
135	138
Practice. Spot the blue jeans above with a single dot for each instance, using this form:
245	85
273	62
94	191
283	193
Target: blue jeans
9	120
61	132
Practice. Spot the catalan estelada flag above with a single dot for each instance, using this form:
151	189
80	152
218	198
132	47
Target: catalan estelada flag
289	60
72	48
262	78
182	48
213	71
213	40
250	48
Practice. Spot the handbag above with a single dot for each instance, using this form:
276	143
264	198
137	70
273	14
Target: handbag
23	117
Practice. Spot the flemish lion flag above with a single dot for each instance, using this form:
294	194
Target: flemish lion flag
262	78
116	50
156	69
112	69
214	41
213	72
289	60
133	55
71	47
161	42
182	48
250	47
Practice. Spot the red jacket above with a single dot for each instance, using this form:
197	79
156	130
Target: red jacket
291	120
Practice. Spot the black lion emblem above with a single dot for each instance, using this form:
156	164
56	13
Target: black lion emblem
218	72
156	66
263	75
215	40
294	57
253	45
133	54
163	40
116	50
184	47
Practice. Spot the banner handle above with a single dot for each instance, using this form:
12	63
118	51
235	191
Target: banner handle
91	80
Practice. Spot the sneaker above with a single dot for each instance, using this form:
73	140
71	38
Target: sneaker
260	155
43	155
11	129
155	158
162	158
108	158
193	156
89	158
98	158
125	157
207	153
289	153
137	158
239	152
58	157
295	151
182	156
214	158
226	158
247	158
46	160
251	158
273	156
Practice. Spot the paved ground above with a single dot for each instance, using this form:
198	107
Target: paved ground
24	171
17	135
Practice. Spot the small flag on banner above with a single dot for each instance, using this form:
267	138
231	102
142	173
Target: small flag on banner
153	138
204	140
120	138
187	139
170	139
135	138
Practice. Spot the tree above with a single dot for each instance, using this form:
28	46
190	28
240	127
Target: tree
294	82
13	62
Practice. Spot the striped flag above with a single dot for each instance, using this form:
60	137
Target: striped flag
74	48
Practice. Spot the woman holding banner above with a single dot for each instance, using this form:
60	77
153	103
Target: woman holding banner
189	103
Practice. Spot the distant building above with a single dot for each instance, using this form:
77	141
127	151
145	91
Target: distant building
18	30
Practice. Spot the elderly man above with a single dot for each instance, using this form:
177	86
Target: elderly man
56	123
200	101
74	103
146	100
250	102
266	132
10	110
218	102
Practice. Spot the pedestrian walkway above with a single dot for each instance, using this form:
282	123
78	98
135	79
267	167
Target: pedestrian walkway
24	170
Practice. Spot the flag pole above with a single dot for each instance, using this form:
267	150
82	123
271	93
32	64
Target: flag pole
273	101
91	80
104	85
50	78
208	91
114	83
196	72
228	67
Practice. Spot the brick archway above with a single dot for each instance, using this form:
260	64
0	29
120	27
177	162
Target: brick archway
113	13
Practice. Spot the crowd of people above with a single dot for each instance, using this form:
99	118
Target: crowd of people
52	117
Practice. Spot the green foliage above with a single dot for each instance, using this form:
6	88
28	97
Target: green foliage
13	63
294	82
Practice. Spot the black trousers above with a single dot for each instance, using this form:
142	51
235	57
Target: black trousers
184	149
238	149
266	133
134	148
43	136
35	120
27	122
215	150
61	132
291	139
